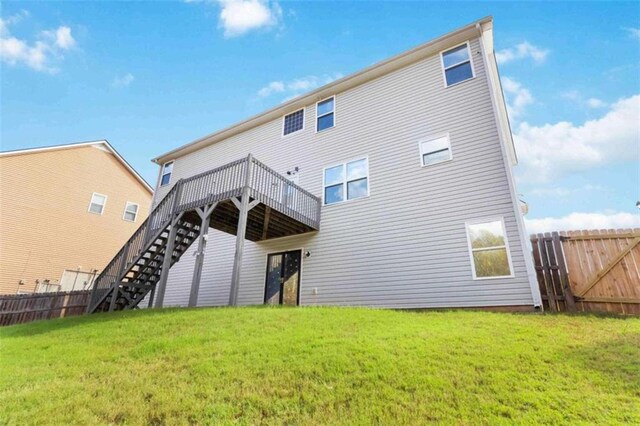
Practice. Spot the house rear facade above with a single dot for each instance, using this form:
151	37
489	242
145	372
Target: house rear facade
64	211
411	160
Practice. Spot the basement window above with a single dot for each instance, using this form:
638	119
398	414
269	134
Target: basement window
325	111
293	122
456	64
347	181
167	169
435	150
98	201
489	249
130	212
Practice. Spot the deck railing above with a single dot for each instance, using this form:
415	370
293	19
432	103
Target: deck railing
221	183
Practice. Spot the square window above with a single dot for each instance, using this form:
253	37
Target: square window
489	249
97	203
325	111
130	212
435	150
357	189
293	122
457	65
352	177
333	194
167	169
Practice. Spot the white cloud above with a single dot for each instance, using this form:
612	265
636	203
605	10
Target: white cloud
273	87
522	51
517	97
122	81
559	191
35	55
238	17
586	221
578	98
595	103
633	32
297	86
552	150
64	39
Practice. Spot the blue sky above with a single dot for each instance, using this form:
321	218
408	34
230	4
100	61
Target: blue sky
150	76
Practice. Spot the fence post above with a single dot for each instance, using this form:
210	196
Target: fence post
569	301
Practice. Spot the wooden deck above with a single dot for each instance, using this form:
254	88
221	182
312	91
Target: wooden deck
244	198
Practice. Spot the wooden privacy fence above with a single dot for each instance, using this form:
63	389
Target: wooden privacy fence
590	271
21	308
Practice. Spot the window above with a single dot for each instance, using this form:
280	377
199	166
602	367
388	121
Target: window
130	211
325	114
293	122
489	250
346	181
97	203
457	64
436	150
166	173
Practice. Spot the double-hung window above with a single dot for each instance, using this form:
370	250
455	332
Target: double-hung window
325	114
346	181
457	64
130	211
435	150
293	122
167	169
489	249
98	201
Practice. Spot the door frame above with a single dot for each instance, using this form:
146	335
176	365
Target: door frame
266	272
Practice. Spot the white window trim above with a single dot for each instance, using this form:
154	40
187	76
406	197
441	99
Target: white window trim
126	206
506	246
444	74
162	173
432	138
104	206
327	113
304	118
345	181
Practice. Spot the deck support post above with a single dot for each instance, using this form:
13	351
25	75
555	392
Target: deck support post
244	208
166	261
205	216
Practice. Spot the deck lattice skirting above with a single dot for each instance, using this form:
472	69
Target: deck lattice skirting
244	198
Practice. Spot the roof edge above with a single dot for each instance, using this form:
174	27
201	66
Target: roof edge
355	79
103	142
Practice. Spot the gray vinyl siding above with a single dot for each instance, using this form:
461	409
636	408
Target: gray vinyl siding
403	246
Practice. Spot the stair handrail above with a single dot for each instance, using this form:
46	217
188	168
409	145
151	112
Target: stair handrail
118	266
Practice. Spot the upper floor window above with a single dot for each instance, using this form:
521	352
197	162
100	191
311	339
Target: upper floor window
346	181
457	64
130	211
293	122
489	249
435	150
98	201
166	173
325	111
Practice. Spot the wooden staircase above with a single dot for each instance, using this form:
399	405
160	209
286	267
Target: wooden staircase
142	274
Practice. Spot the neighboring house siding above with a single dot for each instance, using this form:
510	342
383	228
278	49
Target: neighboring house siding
405	245
45	227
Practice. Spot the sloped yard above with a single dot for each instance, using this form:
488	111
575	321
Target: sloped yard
320	366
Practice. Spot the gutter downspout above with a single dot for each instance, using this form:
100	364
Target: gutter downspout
528	260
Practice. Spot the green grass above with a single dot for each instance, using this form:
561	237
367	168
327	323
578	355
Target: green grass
320	366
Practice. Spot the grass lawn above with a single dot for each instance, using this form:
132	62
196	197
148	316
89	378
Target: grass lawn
320	366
